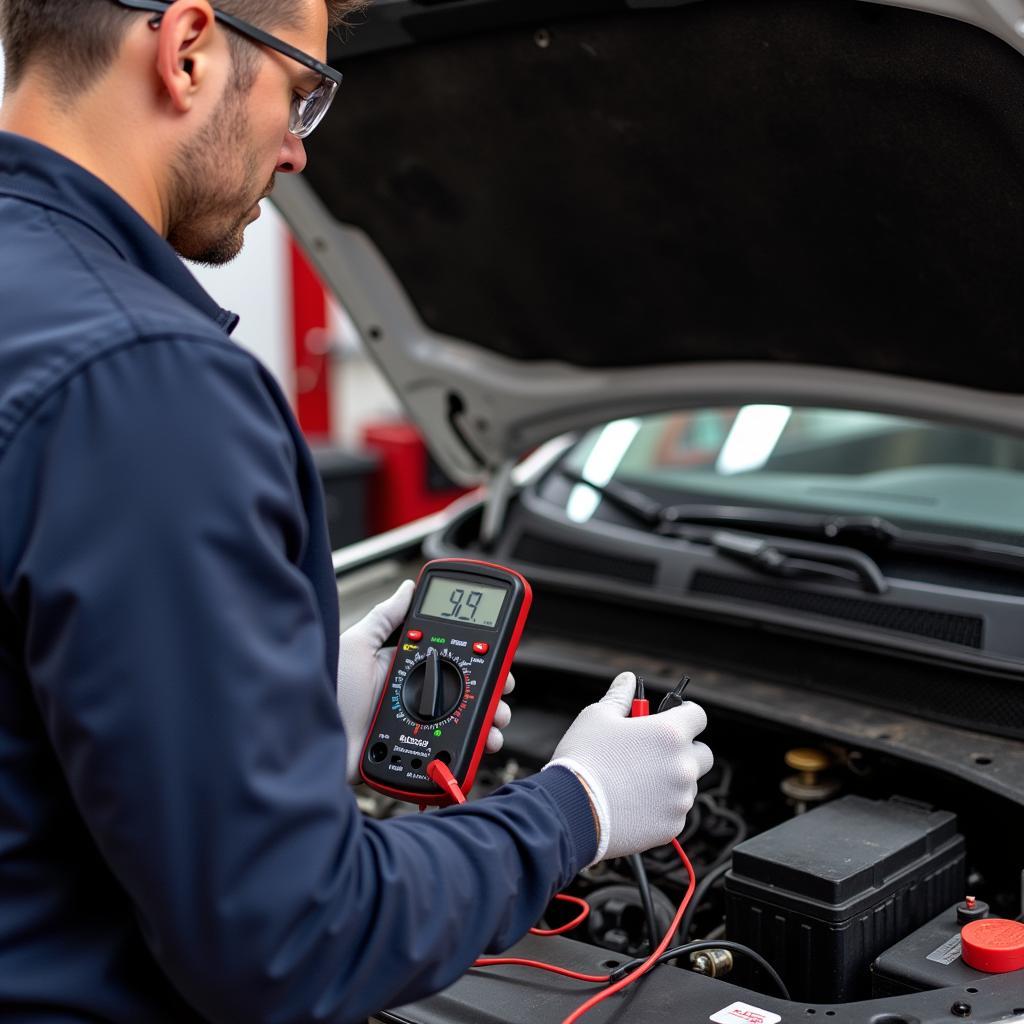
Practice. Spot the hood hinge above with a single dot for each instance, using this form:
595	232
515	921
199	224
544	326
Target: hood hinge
499	493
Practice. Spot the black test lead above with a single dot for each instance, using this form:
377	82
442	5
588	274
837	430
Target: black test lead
674	698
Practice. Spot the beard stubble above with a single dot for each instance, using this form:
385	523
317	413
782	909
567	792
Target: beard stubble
214	187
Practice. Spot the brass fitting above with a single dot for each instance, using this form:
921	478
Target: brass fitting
714	963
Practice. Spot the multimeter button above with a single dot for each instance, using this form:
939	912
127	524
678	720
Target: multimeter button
480	647
378	752
415	635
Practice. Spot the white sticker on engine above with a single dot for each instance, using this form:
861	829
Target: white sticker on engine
949	952
744	1013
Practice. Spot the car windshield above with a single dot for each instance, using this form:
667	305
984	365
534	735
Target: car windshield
909	471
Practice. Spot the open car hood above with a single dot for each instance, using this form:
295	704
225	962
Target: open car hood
543	215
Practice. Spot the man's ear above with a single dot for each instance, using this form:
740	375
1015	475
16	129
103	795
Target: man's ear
184	59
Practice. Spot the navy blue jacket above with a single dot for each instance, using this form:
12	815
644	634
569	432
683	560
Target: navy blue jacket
177	841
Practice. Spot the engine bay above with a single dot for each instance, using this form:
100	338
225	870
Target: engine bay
865	805
786	826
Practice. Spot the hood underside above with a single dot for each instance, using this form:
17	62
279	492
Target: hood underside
810	197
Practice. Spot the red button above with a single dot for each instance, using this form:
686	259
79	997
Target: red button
415	635
993	945
481	648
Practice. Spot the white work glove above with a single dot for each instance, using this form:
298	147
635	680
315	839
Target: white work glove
363	665
641	773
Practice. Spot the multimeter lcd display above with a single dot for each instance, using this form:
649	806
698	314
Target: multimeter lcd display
461	601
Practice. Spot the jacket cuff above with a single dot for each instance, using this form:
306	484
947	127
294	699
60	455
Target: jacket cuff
568	793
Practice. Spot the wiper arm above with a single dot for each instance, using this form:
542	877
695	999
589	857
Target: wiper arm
793	559
861	531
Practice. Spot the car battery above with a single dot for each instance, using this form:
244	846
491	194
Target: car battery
927	959
823	894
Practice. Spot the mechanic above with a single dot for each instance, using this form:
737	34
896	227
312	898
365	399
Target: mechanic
177	838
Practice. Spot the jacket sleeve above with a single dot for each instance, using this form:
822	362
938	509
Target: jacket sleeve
177	657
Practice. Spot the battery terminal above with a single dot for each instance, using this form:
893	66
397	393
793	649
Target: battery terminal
812	785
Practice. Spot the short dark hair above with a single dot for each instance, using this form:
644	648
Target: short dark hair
79	39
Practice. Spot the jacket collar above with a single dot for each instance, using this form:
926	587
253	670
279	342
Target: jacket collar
39	175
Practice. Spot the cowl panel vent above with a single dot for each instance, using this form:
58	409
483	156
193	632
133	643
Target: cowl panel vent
541	551
964	630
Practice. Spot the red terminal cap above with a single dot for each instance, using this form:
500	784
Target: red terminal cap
994	945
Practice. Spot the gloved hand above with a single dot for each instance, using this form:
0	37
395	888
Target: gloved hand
363	665
641	773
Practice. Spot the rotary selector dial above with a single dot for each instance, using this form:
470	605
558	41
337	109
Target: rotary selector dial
433	688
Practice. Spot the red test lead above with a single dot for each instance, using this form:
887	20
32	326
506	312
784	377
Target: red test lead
442	777
441	774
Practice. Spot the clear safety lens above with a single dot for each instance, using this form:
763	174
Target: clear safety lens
308	111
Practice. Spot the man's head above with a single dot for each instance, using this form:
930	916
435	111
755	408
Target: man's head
199	111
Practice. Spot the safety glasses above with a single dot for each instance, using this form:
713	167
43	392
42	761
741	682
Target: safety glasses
307	111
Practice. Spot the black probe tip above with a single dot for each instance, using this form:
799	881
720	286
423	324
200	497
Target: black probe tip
674	698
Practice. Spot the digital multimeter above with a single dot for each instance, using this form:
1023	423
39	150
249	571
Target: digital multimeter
446	677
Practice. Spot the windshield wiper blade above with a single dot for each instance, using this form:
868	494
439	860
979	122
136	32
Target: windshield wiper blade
775	556
625	499
967	549
870	531
667	517
814	524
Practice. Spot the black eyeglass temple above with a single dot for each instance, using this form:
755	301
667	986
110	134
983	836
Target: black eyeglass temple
159	7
